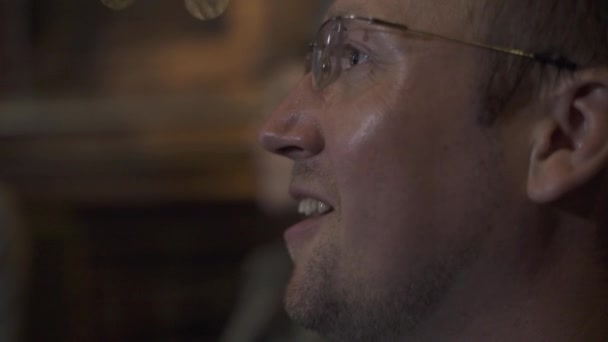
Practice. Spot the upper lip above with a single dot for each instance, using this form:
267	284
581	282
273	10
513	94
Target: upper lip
300	192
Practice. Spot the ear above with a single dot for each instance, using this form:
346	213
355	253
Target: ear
570	142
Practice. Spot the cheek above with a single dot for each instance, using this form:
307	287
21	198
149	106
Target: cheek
405	178
376	148
378	167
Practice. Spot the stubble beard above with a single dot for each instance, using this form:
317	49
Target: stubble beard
344	309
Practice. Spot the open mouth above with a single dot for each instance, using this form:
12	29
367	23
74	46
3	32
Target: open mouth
310	207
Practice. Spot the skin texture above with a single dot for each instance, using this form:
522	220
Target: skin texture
440	228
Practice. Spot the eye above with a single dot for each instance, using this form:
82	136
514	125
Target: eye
352	56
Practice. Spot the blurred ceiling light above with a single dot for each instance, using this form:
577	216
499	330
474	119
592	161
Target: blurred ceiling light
206	9
200	9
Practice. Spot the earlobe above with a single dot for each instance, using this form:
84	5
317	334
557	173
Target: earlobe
570	143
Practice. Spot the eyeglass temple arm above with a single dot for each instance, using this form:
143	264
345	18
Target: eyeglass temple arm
544	58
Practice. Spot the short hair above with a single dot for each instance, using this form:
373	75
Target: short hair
576	29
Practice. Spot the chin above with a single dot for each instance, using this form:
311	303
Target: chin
346	305
310	291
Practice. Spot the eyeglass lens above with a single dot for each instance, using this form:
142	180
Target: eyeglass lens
325	67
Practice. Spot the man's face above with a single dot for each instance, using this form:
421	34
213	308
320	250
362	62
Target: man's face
393	148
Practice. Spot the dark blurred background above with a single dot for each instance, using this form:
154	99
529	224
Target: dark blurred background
128	194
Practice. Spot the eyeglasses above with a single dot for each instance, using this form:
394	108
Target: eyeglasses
333	50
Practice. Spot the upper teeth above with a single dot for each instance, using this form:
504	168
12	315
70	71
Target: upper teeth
312	207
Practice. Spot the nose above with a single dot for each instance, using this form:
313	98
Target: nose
293	129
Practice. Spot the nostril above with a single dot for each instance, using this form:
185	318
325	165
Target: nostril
294	139
273	142
292	147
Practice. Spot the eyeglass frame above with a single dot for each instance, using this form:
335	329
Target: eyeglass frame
554	59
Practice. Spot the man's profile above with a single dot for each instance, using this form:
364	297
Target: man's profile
451	164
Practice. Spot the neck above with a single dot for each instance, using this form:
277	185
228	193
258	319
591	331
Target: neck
553	289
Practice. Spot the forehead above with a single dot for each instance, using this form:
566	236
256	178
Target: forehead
440	16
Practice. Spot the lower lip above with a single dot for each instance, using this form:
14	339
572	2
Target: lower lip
304	229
